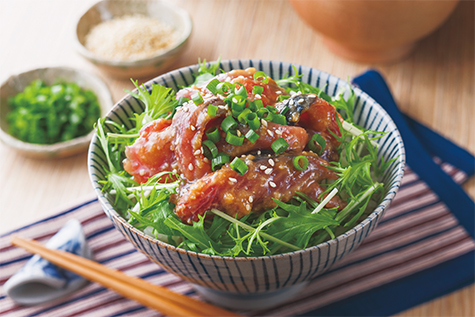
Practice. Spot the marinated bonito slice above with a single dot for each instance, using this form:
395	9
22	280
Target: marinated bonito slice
152	152
266	178
317	116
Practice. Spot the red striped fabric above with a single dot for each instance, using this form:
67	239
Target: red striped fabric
416	233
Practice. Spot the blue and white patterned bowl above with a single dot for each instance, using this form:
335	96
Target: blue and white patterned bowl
259	281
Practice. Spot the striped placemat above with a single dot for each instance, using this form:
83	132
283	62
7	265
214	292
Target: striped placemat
418	236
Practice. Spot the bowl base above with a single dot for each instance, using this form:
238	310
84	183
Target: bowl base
240	301
383	55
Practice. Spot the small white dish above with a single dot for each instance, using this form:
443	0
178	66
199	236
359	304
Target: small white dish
17	83
40	281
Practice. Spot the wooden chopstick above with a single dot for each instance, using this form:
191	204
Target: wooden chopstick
150	295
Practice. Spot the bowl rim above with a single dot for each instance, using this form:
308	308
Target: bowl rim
50	149
382	206
183	38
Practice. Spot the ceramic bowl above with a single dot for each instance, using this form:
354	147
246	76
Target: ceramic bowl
373	31
17	83
106	10
268	280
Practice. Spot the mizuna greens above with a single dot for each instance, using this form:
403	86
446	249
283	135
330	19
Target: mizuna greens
290	226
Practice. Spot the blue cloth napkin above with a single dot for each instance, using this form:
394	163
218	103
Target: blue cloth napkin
421	145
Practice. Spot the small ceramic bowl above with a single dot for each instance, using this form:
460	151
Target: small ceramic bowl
106	10
17	83
257	282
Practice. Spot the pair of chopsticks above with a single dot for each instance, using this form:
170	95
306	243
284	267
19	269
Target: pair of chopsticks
153	296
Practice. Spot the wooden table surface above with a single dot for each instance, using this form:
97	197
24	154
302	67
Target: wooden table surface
434	85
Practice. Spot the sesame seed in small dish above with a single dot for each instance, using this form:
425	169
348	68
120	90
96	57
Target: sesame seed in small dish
133	39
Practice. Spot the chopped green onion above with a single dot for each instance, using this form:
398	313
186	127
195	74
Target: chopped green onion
284	111
257	90
238	103
265	114
258	104
279	119
182	100
219	160
212	110
252	136
241	91
282	97
272	109
235	113
209	149
251	105
239	166
228	124
197	99
234	139
253	121
300	162
261	76
242	116
213	134
224	88
279	145
320	141
212	86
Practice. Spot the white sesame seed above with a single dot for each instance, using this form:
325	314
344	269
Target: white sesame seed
238	133
251	199
235	100
278	132
174	170
271	162
291	102
301	100
264	122
232	180
268	171
142	173
259	152
272	184
190	167
278	92
206	160
197	152
192	127
312	96
258	96
263	167
269	132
